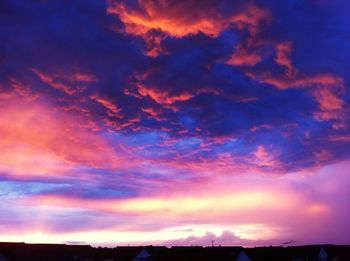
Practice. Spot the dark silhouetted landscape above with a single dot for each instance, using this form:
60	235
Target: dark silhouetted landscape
196	125
60	252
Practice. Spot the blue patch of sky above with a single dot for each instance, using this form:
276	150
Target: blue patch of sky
14	189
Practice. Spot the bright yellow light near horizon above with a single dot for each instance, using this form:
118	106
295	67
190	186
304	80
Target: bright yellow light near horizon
215	205
243	231
257	231
97	237
111	238
187	205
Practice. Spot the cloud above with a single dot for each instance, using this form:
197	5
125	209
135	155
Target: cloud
243	58
300	82
55	83
162	97
242	204
227	238
323	155
331	105
264	158
113	109
192	92
283	51
182	19
42	141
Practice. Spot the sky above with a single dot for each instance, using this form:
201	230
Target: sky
172	122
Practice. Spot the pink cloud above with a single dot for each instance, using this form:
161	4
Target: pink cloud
259	127
23	89
322	155
328	100
82	77
299	81
340	138
264	158
226	238
154	113
327	89
162	97
43	141
331	106
70	83
283	51
254	208
244	57
113	109
56	83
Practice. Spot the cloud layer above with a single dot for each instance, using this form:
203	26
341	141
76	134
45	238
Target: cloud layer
145	118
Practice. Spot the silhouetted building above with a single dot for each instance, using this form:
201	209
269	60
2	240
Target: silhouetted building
61	252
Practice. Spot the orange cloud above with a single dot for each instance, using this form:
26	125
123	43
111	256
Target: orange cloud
42	141
113	109
162	97
327	90
250	53
182	18
67	83
55	83
327	87
156	114
242	57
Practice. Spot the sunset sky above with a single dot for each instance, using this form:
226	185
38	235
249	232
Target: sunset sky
175	122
